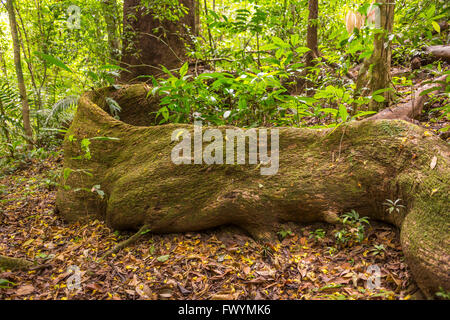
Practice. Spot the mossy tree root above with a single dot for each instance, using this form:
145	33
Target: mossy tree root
9	263
131	240
322	173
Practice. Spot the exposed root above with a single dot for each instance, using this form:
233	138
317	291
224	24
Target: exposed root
127	242
9	263
413	109
439	52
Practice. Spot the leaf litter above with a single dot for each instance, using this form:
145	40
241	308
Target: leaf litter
219	264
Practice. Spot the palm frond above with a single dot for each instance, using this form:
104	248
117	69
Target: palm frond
62	106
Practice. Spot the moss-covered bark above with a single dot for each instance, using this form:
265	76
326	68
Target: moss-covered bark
320	176
9	263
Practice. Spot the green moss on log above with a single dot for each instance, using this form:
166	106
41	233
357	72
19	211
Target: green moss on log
321	175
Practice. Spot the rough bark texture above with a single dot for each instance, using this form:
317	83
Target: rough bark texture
9	263
375	72
321	175
149	43
311	35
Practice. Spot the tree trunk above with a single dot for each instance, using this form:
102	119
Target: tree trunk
311	35
26	45
375	72
149	43
111	16
4	126
19	72
321	174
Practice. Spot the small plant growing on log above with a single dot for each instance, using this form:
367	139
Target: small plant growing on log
393	205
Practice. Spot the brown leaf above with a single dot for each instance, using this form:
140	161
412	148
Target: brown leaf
94	286
183	290
24	290
223	297
246	270
165	294
62	276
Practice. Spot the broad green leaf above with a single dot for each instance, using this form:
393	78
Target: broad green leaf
52	60
378	98
226	114
184	70
343	112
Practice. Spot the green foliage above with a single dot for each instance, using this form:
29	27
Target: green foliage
53	61
443	294
219	98
254	55
282	234
378	250
266	250
6	284
393	205
317	234
161	10
354	229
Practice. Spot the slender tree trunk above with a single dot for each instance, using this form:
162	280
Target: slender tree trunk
19	72
382	55
26	45
375	74
149	42
5	128
311	35
111	16
311	42
4	68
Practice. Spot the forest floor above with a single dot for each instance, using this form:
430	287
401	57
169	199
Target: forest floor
223	263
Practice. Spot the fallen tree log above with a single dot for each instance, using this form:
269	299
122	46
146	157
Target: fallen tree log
431	54
412	109
439	52
321	174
